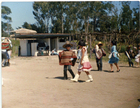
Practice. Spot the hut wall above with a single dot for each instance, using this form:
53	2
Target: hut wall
34	49
23	45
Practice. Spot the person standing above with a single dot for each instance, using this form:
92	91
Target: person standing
113	57
128	53
9	51
67	58
84	64
99	53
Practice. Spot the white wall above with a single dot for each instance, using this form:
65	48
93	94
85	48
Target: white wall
34	49
23	45
61	45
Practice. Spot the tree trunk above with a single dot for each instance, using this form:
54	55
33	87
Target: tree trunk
87	29
90	47
62	24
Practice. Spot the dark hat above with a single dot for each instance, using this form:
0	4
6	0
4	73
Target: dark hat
67	44
82	43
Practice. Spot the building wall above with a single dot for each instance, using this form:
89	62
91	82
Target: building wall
23	45
53	43
61	45
34	49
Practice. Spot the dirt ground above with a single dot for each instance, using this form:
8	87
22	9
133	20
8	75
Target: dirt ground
37	82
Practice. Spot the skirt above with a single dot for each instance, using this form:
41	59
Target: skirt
137	58
113	60
85	67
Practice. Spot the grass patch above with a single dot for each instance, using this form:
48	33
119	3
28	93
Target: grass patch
15	44
122	59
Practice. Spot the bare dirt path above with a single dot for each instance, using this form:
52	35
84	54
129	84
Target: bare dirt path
37	82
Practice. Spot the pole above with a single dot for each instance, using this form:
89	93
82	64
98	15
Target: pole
90	46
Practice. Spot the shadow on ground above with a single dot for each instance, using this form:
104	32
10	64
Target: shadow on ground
108	71
62	78
94	70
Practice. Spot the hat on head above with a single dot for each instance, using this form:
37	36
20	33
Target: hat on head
100	43
128	46
67	44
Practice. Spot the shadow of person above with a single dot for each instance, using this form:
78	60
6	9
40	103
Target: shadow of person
81	81
108	71
124	66
59	77
94	70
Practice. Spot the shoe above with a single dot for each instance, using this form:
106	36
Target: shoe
118	70
75	78
90	78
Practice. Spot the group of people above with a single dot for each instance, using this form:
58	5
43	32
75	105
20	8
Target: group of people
6	51
68	57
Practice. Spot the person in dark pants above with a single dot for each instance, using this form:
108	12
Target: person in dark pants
99	53
128	53
67	58
68	67
19	51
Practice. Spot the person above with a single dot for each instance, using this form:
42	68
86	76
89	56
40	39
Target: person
99	53
67	58
84	64
78	54
114	57
4	58
54	52
128	53
5	48
19	51
137	57
9	51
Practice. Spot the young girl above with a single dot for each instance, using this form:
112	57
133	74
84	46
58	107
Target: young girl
114	58
84	64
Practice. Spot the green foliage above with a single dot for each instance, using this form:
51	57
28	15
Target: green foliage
15	44
123	49
83	17
6	26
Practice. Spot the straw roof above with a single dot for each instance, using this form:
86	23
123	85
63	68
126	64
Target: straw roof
23	30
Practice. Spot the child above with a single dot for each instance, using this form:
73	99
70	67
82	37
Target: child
67	58
113	57
99	52
137	58
84	64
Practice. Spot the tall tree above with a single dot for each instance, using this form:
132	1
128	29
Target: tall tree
6	26
126	18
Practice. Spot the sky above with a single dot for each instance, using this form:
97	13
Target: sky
23	11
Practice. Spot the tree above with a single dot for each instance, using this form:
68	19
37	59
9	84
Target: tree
26	25
136	18
126	18
6	26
